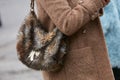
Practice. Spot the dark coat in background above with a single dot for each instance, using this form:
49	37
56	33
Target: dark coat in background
87	57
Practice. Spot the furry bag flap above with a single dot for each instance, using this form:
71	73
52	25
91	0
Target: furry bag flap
38	49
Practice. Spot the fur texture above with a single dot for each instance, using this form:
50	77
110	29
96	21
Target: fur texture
38	49
111	26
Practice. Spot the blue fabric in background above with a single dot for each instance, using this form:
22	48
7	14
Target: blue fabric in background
111	28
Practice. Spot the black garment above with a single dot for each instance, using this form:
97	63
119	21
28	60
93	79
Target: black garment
116	72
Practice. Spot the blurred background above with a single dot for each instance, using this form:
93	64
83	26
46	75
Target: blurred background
12	13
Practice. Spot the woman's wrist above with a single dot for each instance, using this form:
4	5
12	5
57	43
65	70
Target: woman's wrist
92	6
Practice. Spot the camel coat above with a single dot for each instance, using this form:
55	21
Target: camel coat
87	57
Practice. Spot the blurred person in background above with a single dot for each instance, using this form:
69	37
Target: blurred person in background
111	27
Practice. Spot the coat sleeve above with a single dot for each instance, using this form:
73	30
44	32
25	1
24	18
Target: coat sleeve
67	19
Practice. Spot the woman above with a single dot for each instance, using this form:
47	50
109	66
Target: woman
87	57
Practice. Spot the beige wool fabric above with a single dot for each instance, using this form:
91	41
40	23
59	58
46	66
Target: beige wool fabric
87	57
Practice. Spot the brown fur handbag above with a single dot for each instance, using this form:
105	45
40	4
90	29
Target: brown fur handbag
38	49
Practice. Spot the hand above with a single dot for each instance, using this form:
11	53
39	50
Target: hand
105	2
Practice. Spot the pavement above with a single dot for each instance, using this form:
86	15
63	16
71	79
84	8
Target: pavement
12	13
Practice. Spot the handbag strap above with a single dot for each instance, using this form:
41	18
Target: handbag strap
32	5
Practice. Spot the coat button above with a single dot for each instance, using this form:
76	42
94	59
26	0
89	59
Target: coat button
80	1
93	17
96	14
84	31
